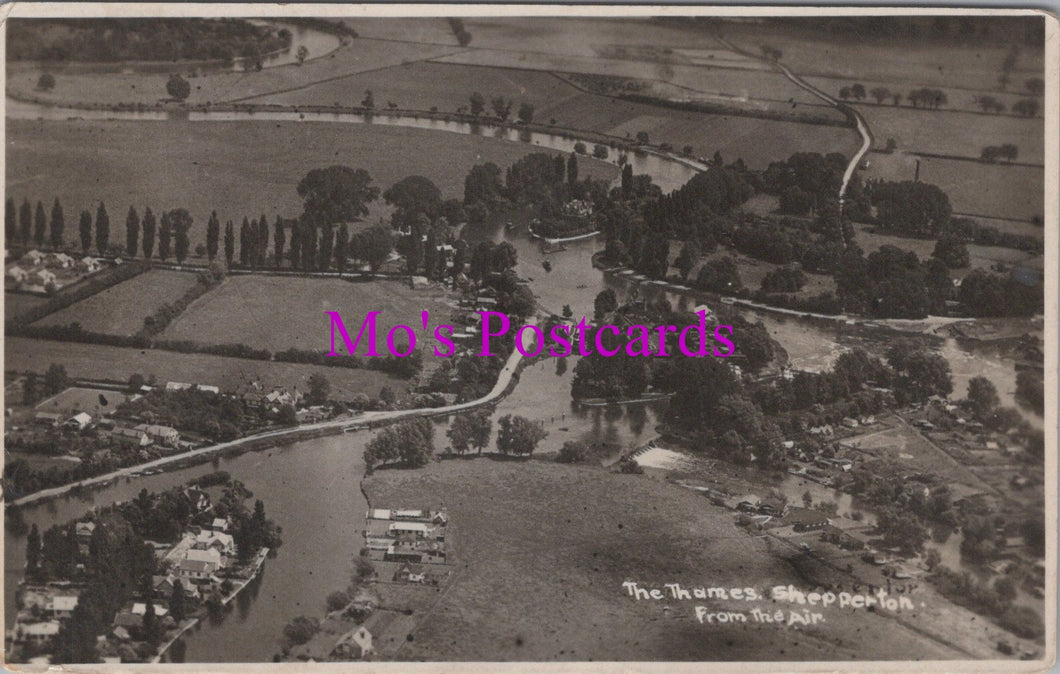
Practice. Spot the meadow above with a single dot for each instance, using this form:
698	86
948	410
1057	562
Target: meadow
234	168
16	303
542	550
121	309
975	188
279	312
980	257
92	361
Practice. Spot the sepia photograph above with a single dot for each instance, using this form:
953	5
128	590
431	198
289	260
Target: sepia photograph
646	336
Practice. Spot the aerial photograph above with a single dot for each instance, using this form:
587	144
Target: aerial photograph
308	322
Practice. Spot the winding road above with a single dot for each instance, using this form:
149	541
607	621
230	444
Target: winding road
358	422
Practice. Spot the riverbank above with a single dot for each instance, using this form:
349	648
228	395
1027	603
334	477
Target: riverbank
257	564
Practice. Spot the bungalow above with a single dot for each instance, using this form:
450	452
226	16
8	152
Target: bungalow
140	608
78	422
219	524
162	435
62	607
409	573
130	437
210	556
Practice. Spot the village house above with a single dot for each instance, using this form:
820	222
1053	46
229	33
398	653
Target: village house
40	277
48	419
88	265
806	519
195	570
78	422
140	608
16	274
161	435
223	543
354	645
83	533
62	607
219	524
39	634
32	258
130	437
211	556
197	498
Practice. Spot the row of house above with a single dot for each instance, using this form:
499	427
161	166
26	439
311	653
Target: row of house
415	536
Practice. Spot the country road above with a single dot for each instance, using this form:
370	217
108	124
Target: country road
334	425
863	127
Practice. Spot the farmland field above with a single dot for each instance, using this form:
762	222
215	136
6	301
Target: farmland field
92	361
975	188
16	303
956	99
277	313
960	134
981	257
542	550
231	167
121	309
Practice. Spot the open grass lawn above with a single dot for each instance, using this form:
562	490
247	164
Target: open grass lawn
959	134
236	168
757	141
277	313
16	303
92	361
542	550
975	189
121	309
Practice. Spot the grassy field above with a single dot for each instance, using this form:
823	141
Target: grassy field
91	361
975	188
960	134
542	551
956	99
150	88
981	257
231	167
757	141
920	62
277	313
16	303
121	309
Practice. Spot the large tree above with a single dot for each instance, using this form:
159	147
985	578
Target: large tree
180	220
342	243
148	226
132	232
471	430
518	435
102	229
279	239
165	237
84	228
411	197
335	195
40	224
230	243
213	235
25	221
58	224
10	221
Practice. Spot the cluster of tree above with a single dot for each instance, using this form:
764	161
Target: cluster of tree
991	153
910	208
996	602
155	323
971	231
409	444
711	193
425	223
220	418
855	91
986	294
927	97
1030	390
470	431
518	436
141	39
805	181
783	280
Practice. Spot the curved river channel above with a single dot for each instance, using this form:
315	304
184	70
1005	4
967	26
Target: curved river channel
311	488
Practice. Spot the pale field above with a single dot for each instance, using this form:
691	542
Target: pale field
122	308
149	88
919	62
961	134
281	312
93	361
974	188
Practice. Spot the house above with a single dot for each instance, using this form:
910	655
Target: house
807	519
417	529
403	553
192	570
62	607
40	277
59	261
16	274
409	573
353	645
771	506
198	499
162	435
836	536
37	633
128	619
211	556
120	633
219	524
162	585
88	265
83	533
48	419
130	437
32	258
215	540
850	423
140	608
78	422
181	386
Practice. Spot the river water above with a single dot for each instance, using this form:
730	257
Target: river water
311	488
